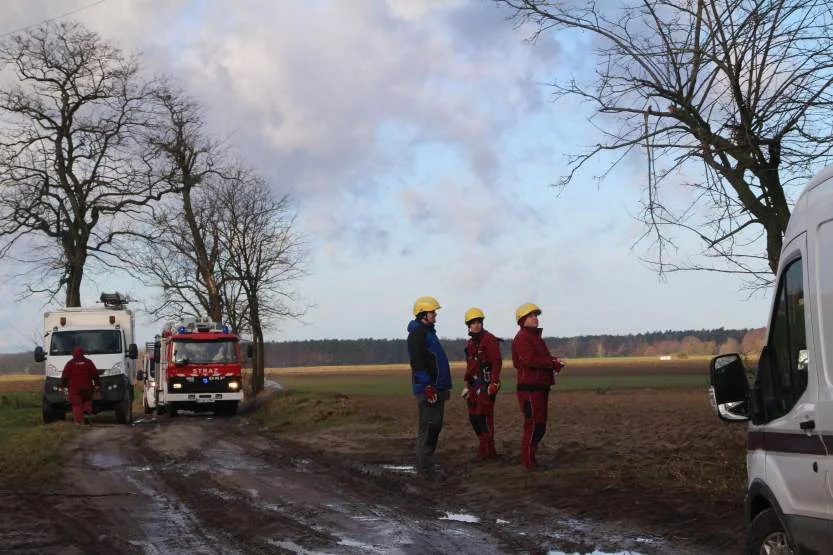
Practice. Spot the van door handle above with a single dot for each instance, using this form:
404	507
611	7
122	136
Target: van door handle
808	425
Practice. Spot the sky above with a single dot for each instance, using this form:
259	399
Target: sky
420	143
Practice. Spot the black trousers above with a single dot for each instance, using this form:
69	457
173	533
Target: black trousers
430	426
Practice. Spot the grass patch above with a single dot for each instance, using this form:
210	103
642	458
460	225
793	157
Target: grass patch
303	411
27	446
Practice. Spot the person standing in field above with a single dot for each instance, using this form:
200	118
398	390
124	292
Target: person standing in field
536	375
482	381
430	379
80	376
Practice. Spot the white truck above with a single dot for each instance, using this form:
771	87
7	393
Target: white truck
788	402
107	335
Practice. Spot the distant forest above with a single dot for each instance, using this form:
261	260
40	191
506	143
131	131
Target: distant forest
325	352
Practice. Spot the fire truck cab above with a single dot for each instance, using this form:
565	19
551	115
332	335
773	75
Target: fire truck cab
193	365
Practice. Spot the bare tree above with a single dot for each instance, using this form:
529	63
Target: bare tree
265	256
71	167
185	158
167	259
739	88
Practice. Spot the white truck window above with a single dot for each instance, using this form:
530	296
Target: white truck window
787	342
94	342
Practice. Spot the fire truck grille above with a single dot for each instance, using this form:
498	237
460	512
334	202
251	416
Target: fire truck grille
204	384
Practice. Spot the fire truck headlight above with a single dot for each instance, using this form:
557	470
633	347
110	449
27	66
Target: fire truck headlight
234	386
177	386
51	369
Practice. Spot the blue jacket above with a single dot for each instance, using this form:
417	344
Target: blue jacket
429	364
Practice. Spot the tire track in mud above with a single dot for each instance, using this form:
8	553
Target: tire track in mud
202	485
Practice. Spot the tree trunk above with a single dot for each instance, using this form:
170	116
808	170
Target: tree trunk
204	265
257	341
75	272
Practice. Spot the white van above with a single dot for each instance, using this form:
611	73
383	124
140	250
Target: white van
107	335
788	399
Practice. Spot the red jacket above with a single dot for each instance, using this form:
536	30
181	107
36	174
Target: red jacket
533	361
483	360
79	373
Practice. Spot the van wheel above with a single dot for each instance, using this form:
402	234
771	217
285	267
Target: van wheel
49	413
767	536
124	410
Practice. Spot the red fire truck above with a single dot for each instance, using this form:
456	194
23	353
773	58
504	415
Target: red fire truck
197	367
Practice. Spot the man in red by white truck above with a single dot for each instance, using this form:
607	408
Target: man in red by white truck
197	368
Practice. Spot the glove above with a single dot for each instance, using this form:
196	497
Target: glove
557	364
430	394
493	388
465	393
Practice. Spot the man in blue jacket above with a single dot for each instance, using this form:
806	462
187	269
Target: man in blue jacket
430	378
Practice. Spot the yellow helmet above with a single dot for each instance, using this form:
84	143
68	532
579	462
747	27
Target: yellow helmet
425	304
525	310
474	313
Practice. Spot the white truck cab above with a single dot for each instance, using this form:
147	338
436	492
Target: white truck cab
107	335
788	400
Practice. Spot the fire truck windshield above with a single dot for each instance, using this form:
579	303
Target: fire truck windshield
190	351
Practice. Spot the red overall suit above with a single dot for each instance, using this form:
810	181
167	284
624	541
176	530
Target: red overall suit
536	374
483	365
80	376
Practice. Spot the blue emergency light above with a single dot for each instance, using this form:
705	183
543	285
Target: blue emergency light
181	329
205	380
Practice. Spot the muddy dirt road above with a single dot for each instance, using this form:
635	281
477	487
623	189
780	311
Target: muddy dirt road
198	484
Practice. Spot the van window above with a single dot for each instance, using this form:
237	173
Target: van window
787	343
94	342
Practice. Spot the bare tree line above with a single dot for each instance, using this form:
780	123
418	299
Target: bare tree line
102	167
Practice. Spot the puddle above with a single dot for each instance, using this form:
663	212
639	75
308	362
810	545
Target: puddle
295	548
460	517
408	469
106	460
143	421
593	553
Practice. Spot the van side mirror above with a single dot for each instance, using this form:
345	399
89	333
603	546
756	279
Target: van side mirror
132	351
140	376
250	350
40	356
729	388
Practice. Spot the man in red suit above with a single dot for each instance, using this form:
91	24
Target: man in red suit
536	375
80	376
483	365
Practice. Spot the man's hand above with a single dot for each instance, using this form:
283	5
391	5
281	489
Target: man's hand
465	393
430	394
557	364
493	388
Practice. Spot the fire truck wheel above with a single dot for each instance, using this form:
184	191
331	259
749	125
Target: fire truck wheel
172	410
160	409
228	408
